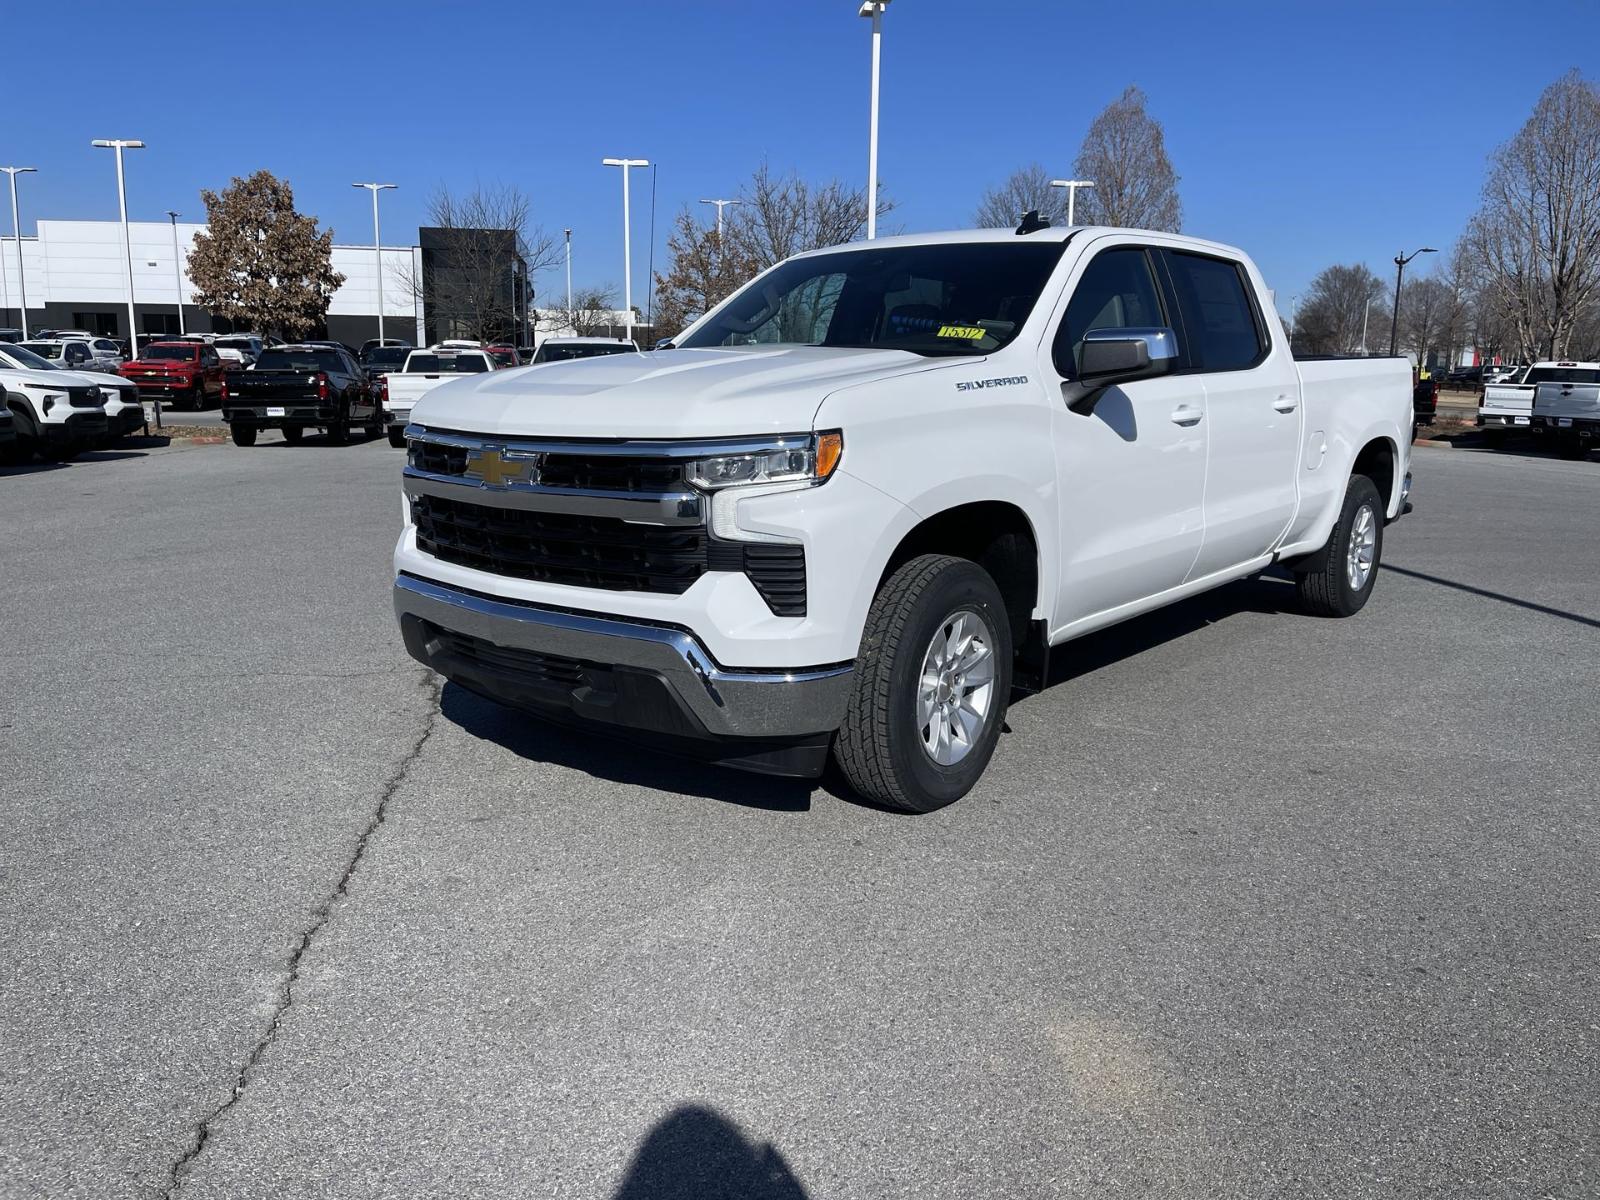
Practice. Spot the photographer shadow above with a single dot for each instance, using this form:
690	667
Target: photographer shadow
696	1153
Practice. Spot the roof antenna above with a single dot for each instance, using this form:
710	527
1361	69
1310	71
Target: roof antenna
1032	222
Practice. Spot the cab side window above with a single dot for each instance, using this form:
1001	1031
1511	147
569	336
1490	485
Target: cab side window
1117	291
1219	319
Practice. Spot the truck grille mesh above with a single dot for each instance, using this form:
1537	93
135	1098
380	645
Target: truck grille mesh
602	552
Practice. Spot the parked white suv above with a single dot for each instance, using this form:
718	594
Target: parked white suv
54	413
123	408
864	497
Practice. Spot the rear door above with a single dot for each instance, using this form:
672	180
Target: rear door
1132	470
1252	393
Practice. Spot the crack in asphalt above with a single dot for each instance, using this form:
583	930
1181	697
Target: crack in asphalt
319	920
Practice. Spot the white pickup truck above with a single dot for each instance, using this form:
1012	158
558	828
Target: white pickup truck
859	502
1566	405
424	370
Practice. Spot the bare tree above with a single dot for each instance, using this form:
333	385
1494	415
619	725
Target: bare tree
1538	233
1027	189
1339	307
1430	315
593	314
779	216
703	269
1125	154
477	278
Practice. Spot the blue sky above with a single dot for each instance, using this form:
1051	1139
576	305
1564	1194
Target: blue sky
1308	133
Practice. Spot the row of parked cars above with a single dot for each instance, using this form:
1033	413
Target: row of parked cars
328	386
1559	400
75	391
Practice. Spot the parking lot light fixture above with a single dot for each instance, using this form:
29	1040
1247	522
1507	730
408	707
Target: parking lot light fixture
874	10
1400	261
16	234
627	243
377	244
119	145
721	204
568	232
1072	186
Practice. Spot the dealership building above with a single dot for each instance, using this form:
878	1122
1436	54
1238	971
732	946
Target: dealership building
76	278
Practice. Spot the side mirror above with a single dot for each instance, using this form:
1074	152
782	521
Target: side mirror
1112	356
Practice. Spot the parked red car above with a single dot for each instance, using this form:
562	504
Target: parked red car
504	356
189	374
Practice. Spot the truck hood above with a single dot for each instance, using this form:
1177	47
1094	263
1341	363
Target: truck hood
662	394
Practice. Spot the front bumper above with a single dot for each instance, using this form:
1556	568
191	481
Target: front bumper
125	420
627	674
78	429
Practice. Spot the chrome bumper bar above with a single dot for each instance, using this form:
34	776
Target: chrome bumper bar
723	703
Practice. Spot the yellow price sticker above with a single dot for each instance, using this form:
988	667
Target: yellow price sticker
970	333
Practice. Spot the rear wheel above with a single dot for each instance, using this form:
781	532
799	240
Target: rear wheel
292	434
1337	580
1570	445
339	430
931	686
243	435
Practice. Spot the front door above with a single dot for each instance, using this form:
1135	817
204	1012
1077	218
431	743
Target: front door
1131	471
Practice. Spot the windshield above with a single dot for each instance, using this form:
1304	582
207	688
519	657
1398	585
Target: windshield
298	360
446	364
23	357
386	356
549	353
168	353
1562	375
44	349
955	298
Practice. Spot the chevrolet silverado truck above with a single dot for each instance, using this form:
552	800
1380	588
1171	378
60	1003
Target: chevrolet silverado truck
300	387
1566	405
1508	403
424	370
860	501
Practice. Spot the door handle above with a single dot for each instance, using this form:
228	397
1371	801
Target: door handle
1184	415
1285	404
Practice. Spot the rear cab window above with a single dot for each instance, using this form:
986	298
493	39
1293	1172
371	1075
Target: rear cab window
1221	325
303	361
445	363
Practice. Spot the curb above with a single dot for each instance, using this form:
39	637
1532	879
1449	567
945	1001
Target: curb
1439	442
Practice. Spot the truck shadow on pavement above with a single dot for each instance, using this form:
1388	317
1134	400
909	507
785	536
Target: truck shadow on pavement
695	1153
612	757
616	758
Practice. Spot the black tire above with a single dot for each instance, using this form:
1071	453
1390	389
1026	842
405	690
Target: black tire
397	437
197	398
1569	445
243	435
339	431
880	746
293	433
376	425
1323	579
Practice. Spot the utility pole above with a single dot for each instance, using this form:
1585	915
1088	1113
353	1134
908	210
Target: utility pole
177	276
16	234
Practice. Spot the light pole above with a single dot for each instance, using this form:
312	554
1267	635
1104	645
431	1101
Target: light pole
568	232
119	145
377	244
177	274
16	233
1072	186
627	243
873	9
721	204
1400	261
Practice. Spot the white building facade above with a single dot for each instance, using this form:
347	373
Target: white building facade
76	278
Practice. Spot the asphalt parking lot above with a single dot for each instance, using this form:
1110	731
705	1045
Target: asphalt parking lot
1250	903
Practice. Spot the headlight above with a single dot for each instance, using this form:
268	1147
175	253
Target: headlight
785	461
787	465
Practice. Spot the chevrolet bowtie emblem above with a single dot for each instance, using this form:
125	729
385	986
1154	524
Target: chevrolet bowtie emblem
499	467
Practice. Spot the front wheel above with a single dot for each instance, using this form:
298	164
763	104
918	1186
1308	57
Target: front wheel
397	437
931	686
1337	580
243	435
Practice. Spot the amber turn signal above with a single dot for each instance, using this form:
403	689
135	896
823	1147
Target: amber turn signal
830	448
